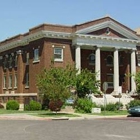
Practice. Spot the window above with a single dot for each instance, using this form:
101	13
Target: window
92	59
4	81
5	62
27	58
110	80
16	61
138	58
10	61
109	60
58	54
15	86
36	55
10	81
27	80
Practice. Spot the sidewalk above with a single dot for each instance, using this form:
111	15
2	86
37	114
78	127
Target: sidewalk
25	116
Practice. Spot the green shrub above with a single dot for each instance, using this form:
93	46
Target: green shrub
33	105
118	105
111	106
12	105
84	105
133	103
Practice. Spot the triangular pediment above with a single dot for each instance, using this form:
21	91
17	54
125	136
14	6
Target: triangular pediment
121	30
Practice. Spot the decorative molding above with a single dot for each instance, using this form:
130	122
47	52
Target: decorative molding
111	25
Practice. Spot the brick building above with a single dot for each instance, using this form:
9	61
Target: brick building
104	46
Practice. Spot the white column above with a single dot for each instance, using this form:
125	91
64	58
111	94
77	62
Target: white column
98	64
133	71
116	72
78	58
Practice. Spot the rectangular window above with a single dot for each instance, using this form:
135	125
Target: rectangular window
138	58
16	61
110	80
10	81
27	58
58	54
15	86
27	80
36	54
4	81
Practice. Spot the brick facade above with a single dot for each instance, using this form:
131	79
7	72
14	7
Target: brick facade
45	38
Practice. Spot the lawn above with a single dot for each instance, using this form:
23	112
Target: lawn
112	113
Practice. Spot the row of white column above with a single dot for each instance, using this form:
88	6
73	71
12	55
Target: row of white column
116	67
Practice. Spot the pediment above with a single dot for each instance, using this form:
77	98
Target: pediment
116	28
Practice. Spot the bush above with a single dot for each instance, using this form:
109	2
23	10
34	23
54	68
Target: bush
133	103
84	105
55	105
111	106
12	105
33	106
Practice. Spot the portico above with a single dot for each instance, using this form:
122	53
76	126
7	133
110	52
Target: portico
107	44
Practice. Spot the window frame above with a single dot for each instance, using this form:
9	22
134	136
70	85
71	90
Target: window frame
4	81
36	55
110	81
10	81
27	58
15	80
138	58
109	64
90	61
27	80
55	53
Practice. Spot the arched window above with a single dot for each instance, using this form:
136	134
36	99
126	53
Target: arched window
109	60
92	59
120	60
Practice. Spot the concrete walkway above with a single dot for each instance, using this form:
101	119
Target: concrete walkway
25	116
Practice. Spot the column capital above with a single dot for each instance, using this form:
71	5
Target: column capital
19	52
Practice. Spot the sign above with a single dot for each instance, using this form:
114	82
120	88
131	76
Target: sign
105	86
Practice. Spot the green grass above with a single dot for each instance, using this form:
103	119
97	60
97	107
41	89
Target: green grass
112	113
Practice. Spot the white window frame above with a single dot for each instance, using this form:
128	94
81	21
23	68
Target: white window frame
36	55
58	53
4	82
15	81
90	61
10	61
10	81
27	80
16	60
110	82
138	58
27	58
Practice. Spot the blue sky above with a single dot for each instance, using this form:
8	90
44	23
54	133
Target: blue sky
18	16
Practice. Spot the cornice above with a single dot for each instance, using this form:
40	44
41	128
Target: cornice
111	25
62	35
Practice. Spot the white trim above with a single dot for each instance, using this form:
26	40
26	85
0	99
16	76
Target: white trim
111	25
19	94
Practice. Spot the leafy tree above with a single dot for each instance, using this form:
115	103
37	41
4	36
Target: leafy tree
54	83
86	82
137	79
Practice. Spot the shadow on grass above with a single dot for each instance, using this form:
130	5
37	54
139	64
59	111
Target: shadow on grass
58	114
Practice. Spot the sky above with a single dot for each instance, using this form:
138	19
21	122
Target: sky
18	16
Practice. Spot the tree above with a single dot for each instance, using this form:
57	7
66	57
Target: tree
137	80
86	83
54	83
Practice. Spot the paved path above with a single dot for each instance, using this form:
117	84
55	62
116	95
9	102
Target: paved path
24	116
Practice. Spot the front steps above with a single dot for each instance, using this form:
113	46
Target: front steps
108	98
